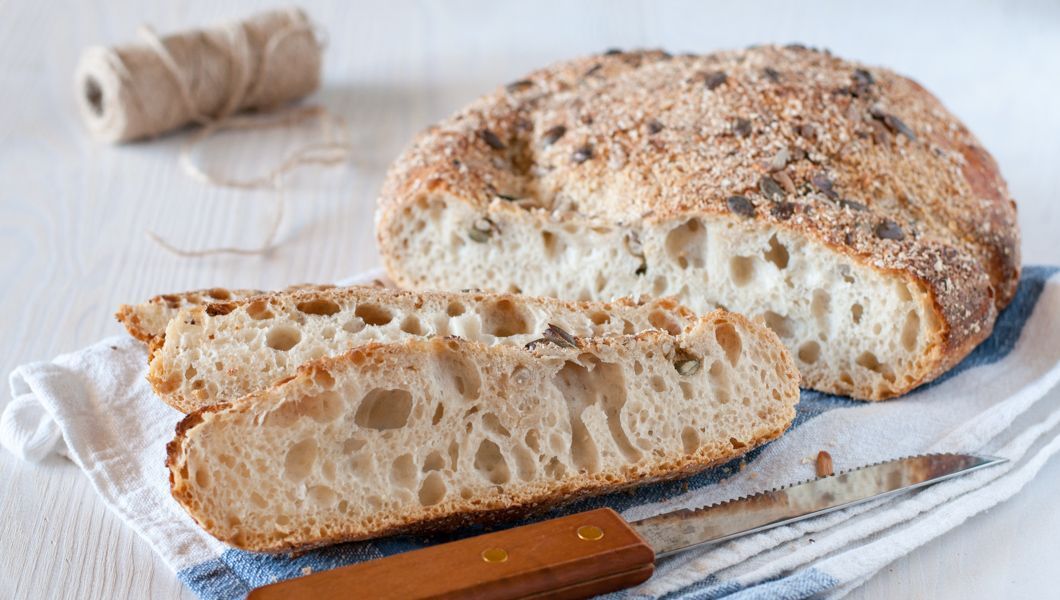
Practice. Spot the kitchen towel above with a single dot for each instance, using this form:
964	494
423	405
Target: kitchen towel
95	407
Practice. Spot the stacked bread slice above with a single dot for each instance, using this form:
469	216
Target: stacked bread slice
321	414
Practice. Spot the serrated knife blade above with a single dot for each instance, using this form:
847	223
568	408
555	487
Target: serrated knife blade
597	551
683	529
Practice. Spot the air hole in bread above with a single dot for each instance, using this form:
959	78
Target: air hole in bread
353	444
433	462
463	374
742	270
259	310
555	469
903	293
202	478
300	460
628	328
283	337
602	386
599	317
664	320
690	439
856	311
736	444
454	454
819	304
411	325
432	490
730	342
533	440
686	244
809	352
439	412
403	471
493	425
504	318
910	330
525	464
553	245
658	384
219	294
322	496
658	287
455	308
638	367
686	390
490	463
383	409
373	314
322	408
258	500
780	324
777	253
321	307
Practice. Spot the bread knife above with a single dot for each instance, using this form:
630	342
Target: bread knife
597	551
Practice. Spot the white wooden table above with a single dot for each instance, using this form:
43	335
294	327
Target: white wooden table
73	213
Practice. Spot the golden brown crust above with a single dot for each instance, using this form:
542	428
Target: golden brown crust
868	163
147	321
504	507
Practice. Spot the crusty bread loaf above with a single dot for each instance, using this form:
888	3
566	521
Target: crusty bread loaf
224	350
437	433
840	203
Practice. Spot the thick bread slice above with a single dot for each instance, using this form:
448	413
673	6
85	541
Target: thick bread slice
147	321
841	203
225	350
430	434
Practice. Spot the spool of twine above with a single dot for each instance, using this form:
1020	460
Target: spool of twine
145	89
205	76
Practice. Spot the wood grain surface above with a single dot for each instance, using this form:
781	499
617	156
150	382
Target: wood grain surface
73	213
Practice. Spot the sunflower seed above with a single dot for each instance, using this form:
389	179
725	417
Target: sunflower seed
889	230
807	131
552	135
613	51
714	80
654	126
554	335
481	230
782	210
491	139
771	74
785	181
518	86
593	70
780	160
743	127
770	189
892	122
741	206
852	204
687	367
824	184
582	154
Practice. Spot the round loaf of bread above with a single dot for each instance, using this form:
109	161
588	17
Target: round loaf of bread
842	204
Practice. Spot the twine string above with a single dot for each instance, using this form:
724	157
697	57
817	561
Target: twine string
333	149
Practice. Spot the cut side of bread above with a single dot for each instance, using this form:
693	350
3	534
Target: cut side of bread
433	434
840	203
222	351
853	329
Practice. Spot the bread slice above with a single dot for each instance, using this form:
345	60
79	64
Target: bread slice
147	321
224	350
840	203
430	434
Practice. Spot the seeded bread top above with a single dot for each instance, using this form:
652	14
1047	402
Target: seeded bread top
860	158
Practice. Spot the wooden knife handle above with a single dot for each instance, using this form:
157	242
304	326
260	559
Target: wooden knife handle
576	556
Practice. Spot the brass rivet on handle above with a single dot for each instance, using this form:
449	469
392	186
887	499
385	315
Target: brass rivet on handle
494	555
590	533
